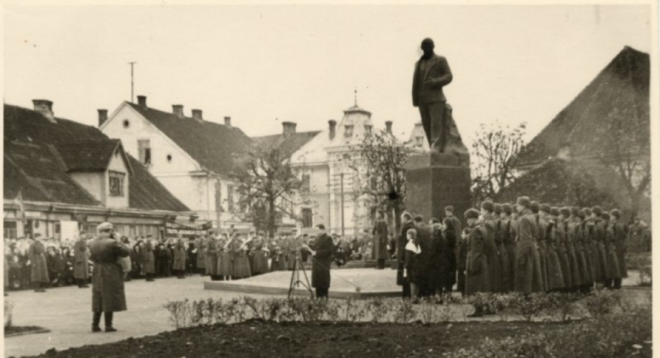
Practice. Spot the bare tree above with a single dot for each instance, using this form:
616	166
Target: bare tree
383	179
266	188
624	146
494	153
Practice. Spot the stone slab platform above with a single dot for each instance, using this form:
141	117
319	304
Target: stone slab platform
355	283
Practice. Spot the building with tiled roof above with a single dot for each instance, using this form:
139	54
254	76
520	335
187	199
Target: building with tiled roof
616	101
326	165
191	156
61	176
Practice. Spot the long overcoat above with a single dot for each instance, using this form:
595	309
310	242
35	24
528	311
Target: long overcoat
528	276
400	251
492	254
562	253
438	267
321	262
212	251
477	278
620	236
200	244
148	260
80	256
555	274
576	277
504	260
37	256
180	256
380	241
107	276
613	270
540	243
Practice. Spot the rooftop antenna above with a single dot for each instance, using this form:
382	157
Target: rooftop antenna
355	96
132	63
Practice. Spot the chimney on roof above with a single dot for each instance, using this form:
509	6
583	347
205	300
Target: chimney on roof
333	128
228	121
142	101
197	114
388	127
177	109
288	128
44	107
103	116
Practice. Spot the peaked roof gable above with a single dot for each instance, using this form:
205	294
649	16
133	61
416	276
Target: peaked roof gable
92	156
287	144
211	144
622	85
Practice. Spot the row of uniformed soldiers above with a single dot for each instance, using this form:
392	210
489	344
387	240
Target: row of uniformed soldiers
538	248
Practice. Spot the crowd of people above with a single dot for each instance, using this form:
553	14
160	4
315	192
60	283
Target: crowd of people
527	247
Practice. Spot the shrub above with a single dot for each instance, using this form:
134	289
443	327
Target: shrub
404	311
378	309
179	313
601	302
562	306
529	306
429	312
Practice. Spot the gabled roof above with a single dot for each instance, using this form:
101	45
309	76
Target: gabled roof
91	155
211	144
287	144
34	164
619	92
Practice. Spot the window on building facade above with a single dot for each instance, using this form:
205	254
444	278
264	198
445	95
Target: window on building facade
307	218
348	130
230	198
116	183
419	141
304	185
144	149
10	230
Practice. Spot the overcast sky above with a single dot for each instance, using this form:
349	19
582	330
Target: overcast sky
259	63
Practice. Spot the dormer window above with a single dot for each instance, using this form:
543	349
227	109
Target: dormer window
367	129
419	141
348	130
116	183
144	150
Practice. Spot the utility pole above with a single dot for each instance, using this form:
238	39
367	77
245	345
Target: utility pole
132	63
341	189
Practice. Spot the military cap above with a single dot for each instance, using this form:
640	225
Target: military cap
581	214
104	226
554	211
597	210
575	211
471	214
566	211
535	206
488	206
507	208
587	211
449	208
545	208
616	213
498	209
605	216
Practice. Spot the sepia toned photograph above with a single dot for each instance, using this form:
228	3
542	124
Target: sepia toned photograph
456	179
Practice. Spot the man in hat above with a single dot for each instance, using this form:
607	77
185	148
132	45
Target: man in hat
477	272
509	243
599	236
107	277
561	243
321	261
424	233
406	224
554	274
148	259
528	277
540	242
379	233
490	247
80	256
37	257
620	236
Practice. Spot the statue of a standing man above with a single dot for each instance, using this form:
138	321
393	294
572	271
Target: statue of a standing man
432	73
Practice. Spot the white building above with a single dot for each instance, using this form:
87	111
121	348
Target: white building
190	156
327	166
417	140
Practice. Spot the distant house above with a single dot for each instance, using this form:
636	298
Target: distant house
417	139
577	141
192	157
61	176
289	142
326	164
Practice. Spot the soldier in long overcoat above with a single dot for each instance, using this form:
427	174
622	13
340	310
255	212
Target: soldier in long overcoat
80	264
509	242
582	251
477	273
200	244
620	246
379	233
503	254
613	270
528	276
599	237
321	261
438	265
554	274
406	224
37	256
490	247
450	235
212	254
107	277
180	256
148	259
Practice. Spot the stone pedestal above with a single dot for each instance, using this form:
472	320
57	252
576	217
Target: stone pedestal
435	180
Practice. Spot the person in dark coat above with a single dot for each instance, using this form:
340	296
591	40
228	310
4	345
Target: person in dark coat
490	248
620	236
321	261
406	224
555	274
477	271
461	261
380	237
503	254
450	234
540	243
424	235
55	266
613	270
37	257
137	259
200	245
191	263
148	259
449	215
528	277
107	277
509	242
81	266
180	256
438	266
414	268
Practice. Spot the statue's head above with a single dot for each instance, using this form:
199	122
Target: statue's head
428	46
